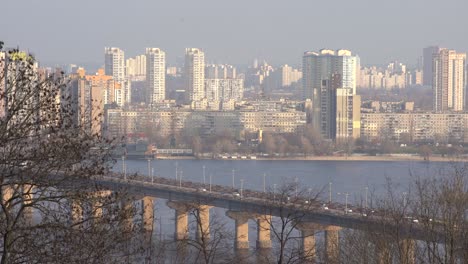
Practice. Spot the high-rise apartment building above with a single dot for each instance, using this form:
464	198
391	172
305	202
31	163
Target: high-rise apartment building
16	64
224	89
140	65
428	54
115	63
449	80
130	67
194	74
115	66
329	81
289	75
136	67
86	95
111	90
220	71
155	75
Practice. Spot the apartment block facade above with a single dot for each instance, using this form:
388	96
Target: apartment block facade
415	127
204	123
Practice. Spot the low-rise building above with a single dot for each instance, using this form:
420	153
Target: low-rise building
415	127
147	123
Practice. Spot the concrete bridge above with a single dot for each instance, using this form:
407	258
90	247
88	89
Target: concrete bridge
261	207
309	215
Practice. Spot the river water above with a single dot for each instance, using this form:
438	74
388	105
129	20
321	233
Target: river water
345	176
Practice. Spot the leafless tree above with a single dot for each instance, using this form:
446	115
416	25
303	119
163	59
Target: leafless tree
212	241
424	222
289	204
50	209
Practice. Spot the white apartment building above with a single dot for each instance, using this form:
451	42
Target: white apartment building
136	67
115	63
195	74
114	66
289	75
449	80
220	71
224	89
328	75
155	75
415	127
203	123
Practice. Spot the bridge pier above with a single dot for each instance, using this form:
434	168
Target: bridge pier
147	208
97	204
242	228
28	196
181	219
25	192
308	231
382	253
407	251
76	210
8	191
127	221
332	239
263	231
203	222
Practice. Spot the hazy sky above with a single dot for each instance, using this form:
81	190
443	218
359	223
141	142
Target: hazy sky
236	31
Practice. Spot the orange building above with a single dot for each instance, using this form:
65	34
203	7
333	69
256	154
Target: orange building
92	92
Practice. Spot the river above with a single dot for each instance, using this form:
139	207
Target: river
346	177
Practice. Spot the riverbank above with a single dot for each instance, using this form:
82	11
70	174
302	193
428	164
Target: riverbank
336	158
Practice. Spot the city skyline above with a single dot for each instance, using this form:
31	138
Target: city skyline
239	34
166	131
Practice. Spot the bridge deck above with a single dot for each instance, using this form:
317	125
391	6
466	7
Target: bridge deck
258	203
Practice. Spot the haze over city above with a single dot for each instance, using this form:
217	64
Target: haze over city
61	32
233	132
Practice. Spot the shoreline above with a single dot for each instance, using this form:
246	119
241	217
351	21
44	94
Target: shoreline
381	158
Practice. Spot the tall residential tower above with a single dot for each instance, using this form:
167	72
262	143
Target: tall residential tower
115	63
428	54
329	81
115	66
155	75
449	81
195	74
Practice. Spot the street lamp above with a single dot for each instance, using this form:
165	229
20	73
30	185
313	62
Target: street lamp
124	167
233	176
310	193
176	164
152	175
346	201
296	181
274	192
329	192
366	189
242	188
404	199
149	167
264	186
210	180
180	178
204	178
